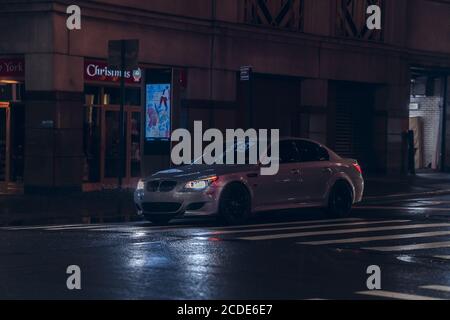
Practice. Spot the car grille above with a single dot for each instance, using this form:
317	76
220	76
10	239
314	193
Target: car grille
161	186
161	207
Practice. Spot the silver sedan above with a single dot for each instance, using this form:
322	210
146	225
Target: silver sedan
310	175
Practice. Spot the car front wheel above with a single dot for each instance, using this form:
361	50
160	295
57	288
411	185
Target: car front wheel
340	201
235	205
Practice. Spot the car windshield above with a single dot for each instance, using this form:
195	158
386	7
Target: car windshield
238	148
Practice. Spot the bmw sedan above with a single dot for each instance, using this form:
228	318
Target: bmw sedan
310	175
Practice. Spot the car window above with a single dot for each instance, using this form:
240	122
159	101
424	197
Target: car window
289	152
312	152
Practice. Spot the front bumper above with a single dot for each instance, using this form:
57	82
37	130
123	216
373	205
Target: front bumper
177	203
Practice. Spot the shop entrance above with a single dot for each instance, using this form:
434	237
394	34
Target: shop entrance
102	139
351	122
428	96
4	115
11	145
111	155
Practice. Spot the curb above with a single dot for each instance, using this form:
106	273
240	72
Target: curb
408	195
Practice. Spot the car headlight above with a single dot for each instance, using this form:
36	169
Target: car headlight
201	184
140	185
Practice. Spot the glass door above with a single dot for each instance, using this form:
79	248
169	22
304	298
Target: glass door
3	143
111	146
111	156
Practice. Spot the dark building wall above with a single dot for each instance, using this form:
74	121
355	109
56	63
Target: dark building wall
185	35
428	27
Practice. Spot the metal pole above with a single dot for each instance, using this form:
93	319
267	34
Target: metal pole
444	126
250	99
122	117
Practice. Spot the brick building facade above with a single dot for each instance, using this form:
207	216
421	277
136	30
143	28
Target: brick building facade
318	73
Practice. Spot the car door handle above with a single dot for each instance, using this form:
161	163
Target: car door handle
295	171
327	170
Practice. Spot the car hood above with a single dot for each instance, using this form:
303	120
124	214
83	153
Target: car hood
193	172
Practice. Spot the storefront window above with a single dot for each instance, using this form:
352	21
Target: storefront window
2	144
92	95
6	92
12	131
111	96
20	92
102	133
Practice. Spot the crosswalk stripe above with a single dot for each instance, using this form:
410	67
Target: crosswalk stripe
93	226
344	231
244	227
315	226
430	245
381	238
437	288
402	208
126	230
299	222
118	227
442	257
38	227
394	295
86	227
238	228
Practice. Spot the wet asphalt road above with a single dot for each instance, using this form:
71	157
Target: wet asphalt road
279	255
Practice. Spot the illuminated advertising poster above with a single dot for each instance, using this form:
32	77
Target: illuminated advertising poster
158	104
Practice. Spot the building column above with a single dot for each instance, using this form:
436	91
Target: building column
395	100
313	111
54	123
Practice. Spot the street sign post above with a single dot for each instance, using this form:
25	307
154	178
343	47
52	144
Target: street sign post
246	73
131	54
122	55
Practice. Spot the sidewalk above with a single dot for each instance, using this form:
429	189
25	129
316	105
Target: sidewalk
396	187
117	206
92	207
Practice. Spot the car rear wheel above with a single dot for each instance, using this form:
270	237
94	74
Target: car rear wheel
234	206
340	201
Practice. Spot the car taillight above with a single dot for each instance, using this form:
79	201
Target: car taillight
358	168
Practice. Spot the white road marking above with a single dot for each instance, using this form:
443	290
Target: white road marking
380	238
127	229
437	288
150	229
299	222
40	227
180	227
344	231
442	257
85	227
394	295
93	226
402	208
120	227
422	246
315	226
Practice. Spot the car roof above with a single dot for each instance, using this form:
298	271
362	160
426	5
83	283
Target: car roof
299	139
334	154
